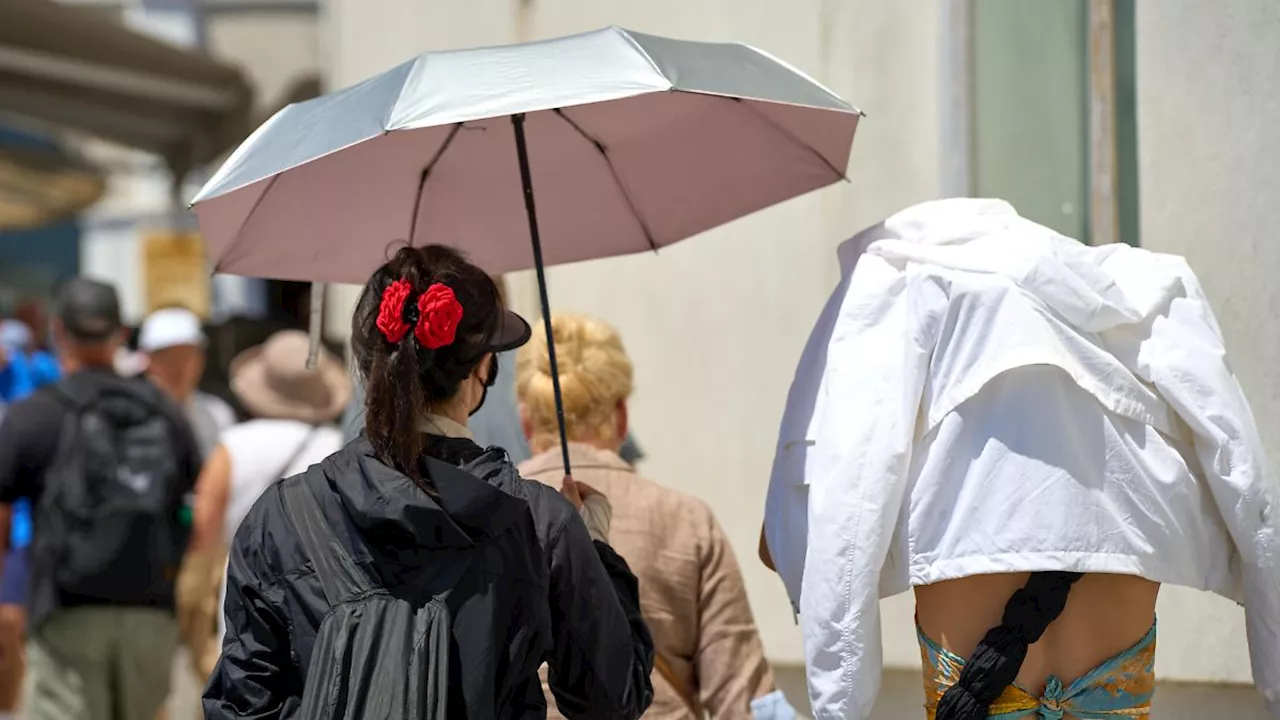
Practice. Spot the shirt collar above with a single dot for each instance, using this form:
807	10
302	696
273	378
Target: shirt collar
582	456
440	425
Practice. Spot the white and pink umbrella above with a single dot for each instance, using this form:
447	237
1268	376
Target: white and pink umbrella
632	141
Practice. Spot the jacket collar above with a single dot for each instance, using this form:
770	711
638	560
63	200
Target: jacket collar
580	456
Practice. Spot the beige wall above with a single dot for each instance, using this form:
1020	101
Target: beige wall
1208	99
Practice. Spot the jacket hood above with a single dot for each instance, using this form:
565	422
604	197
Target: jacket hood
386	504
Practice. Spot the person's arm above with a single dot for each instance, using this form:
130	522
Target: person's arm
732	670
603	654
200	578
255	678
213	492
28	441
763	551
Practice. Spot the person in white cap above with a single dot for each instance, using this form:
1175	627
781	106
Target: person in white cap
173	343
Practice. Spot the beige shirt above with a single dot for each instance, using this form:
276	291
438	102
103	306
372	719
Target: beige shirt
691	590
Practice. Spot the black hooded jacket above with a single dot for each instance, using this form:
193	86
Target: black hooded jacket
537	590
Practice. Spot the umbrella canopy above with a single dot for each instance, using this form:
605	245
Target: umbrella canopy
633	142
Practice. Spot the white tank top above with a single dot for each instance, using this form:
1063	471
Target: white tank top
259	450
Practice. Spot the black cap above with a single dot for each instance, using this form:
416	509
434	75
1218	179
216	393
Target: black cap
89	309
512	332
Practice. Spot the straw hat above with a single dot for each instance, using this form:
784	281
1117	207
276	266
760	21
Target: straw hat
272	380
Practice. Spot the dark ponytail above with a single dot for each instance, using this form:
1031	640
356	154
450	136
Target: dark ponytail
403	378
995	663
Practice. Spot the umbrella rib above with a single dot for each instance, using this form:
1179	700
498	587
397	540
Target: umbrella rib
599	146
235	242
422	179
791	136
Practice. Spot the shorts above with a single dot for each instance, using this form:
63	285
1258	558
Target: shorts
13	582
98	662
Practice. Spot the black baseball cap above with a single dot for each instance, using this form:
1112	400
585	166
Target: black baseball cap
512	332
89	309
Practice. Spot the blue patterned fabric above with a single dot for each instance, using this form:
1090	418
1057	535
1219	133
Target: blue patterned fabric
1121	687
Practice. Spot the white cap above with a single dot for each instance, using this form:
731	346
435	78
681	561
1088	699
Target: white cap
168	328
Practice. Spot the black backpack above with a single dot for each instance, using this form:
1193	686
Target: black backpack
108	525
377	655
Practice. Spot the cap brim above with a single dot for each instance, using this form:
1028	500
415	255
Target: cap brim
512	333
90	329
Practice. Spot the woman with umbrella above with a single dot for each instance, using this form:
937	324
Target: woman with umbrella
533	580
620	129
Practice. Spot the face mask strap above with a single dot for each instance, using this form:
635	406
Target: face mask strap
488	383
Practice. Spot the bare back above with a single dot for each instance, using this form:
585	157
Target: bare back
1105	615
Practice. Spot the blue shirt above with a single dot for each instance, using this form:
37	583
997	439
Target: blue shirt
21	376
16	381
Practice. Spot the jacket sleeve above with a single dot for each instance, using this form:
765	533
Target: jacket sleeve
1185	359
732	670
603	652
255	677
876	364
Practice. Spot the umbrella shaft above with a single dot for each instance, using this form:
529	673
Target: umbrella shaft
526	181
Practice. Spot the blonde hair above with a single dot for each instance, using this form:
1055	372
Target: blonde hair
595	375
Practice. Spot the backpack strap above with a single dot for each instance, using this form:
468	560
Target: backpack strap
339	575
297	453
75	396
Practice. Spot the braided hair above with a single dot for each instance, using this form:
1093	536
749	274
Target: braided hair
995	663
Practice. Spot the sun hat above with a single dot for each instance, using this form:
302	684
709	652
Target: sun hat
272	380
170	327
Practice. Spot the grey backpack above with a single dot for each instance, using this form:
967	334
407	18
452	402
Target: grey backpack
377	656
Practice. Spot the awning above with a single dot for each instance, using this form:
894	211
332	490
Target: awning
73	67
42	182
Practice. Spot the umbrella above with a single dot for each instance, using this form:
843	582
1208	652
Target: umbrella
635	142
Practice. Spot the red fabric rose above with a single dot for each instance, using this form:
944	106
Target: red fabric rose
439	313
391	311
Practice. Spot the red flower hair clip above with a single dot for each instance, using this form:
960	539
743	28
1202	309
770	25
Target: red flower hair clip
434	317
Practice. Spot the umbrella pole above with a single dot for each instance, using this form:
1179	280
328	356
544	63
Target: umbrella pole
317	318
526	180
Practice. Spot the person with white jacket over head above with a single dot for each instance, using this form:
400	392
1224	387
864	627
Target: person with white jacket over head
1034	434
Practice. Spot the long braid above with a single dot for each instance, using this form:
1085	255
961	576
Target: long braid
995	663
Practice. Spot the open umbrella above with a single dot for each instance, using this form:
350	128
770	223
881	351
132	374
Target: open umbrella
635	142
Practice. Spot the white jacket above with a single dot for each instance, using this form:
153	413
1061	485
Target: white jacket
983	395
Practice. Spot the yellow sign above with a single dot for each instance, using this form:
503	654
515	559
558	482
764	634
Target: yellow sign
176	271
